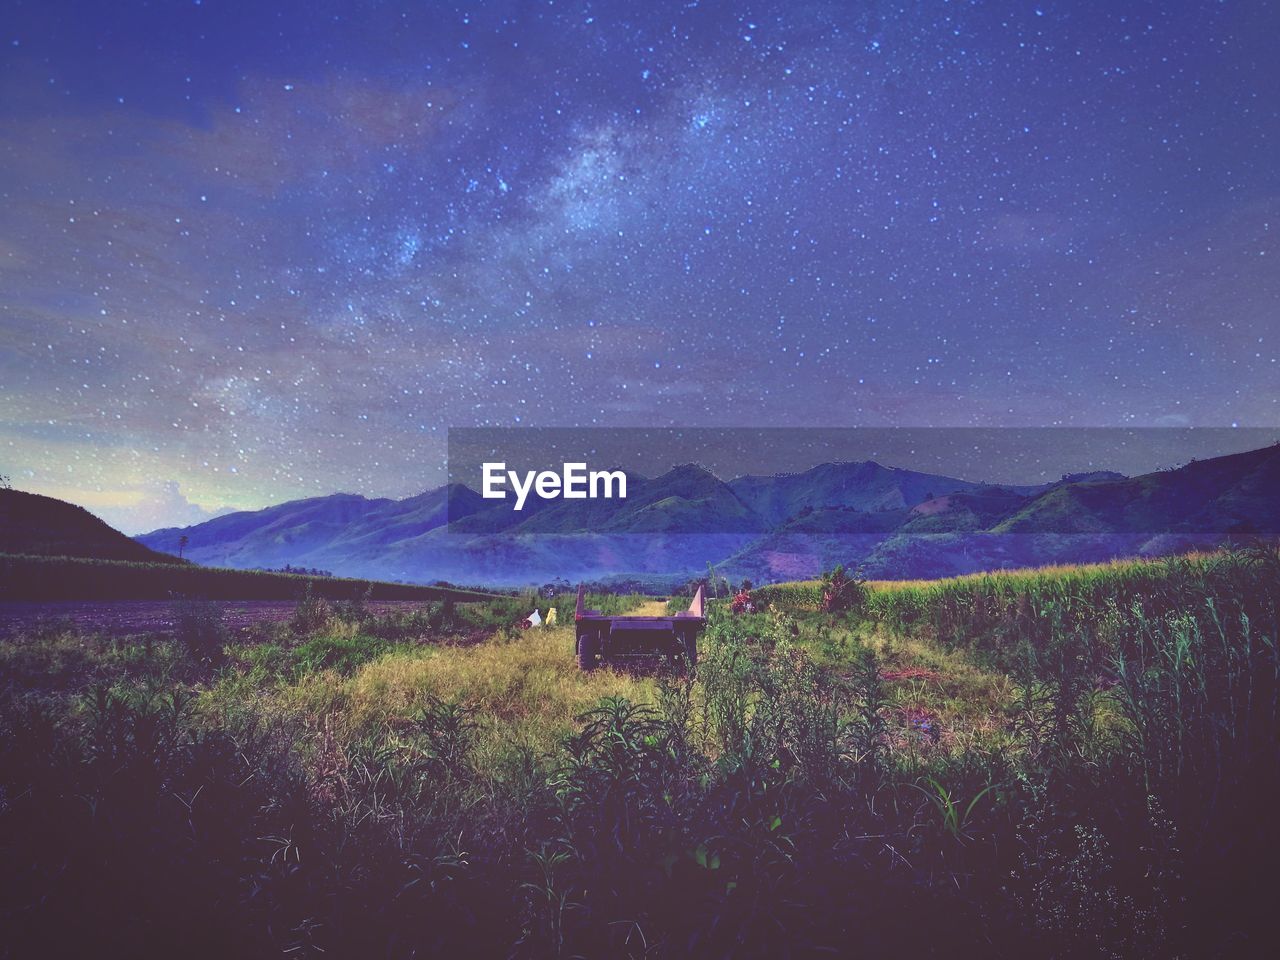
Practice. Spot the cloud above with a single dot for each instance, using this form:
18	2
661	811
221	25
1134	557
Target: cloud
162	504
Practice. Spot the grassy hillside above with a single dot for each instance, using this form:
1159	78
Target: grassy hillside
1220	495
865	486
44	526
78	578
1057	763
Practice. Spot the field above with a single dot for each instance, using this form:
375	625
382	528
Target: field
30	578
1079	762
126	617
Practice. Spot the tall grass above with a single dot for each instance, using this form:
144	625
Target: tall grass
796	595
1002	610
354	786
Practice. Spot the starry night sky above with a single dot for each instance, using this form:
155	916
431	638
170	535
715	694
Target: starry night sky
257	251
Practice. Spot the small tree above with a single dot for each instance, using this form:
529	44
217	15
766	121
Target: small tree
5	482
840	592
182	544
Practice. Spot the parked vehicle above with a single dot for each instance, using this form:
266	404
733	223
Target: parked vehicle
605	639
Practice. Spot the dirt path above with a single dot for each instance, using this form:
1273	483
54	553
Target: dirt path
651	608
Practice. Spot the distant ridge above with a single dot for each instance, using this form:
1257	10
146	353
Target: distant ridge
889	522
863	485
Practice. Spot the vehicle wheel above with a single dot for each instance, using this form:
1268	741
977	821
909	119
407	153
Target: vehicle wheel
588	650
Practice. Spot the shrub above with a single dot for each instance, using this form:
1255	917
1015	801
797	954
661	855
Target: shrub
312	612
840	592
199	626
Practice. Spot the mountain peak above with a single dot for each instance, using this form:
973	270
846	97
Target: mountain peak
689	469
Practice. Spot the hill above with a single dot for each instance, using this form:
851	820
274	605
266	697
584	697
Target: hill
53	550
861	485
685	500
1231	494
45	526
1082	518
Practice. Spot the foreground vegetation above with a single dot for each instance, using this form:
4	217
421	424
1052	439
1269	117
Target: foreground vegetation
1071	763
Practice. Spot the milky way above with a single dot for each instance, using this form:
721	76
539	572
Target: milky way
257	251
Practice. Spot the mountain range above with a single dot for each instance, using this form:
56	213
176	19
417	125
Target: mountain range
889	522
